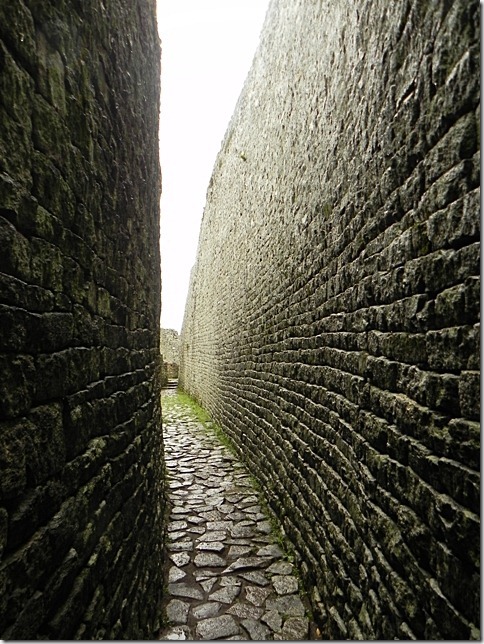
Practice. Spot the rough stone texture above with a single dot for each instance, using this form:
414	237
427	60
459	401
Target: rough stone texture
201	469
80	443
170	355
332	325
217	627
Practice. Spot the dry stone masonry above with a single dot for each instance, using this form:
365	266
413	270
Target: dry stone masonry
332	324
170	353
80	445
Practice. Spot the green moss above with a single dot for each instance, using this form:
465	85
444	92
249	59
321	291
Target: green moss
170	403
181	398
184	399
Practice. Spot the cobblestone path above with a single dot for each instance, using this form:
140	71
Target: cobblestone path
227	578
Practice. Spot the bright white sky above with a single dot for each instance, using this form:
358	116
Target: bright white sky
207	51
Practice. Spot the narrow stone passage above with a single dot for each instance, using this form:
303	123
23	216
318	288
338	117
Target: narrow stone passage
226	577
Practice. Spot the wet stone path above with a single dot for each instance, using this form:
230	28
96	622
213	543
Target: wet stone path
226	578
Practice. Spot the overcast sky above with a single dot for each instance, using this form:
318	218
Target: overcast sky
207	51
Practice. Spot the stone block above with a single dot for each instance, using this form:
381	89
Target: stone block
469	394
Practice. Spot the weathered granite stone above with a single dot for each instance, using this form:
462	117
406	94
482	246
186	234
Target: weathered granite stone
284	584
215	546
217	627
226	595
289	605
256	629
180	558
281	568
273	619
213	536
264	527
205	574
176	526
230	580
180	546
256	595
175	574
244	611
217	526
176	536
295	629
244	563
177	611
208	584
332	324
209	609
238	551
206	559
242	531
272	550
181	589
255	577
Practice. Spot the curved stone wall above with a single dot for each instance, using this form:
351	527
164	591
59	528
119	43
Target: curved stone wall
81	465
170	353
332	324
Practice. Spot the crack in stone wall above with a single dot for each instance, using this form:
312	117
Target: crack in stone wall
80	442
332	323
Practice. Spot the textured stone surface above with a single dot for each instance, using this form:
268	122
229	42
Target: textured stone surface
210	609
217	627
285	585
295	629
217	601
177	611
182	589
170	354
332	325
80	447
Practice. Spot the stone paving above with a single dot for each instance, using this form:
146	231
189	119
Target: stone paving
226	578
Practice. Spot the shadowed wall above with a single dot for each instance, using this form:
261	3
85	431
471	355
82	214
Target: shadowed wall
80	441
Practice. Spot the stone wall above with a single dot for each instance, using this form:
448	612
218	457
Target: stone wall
332	323
170	351
80	446
170	345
